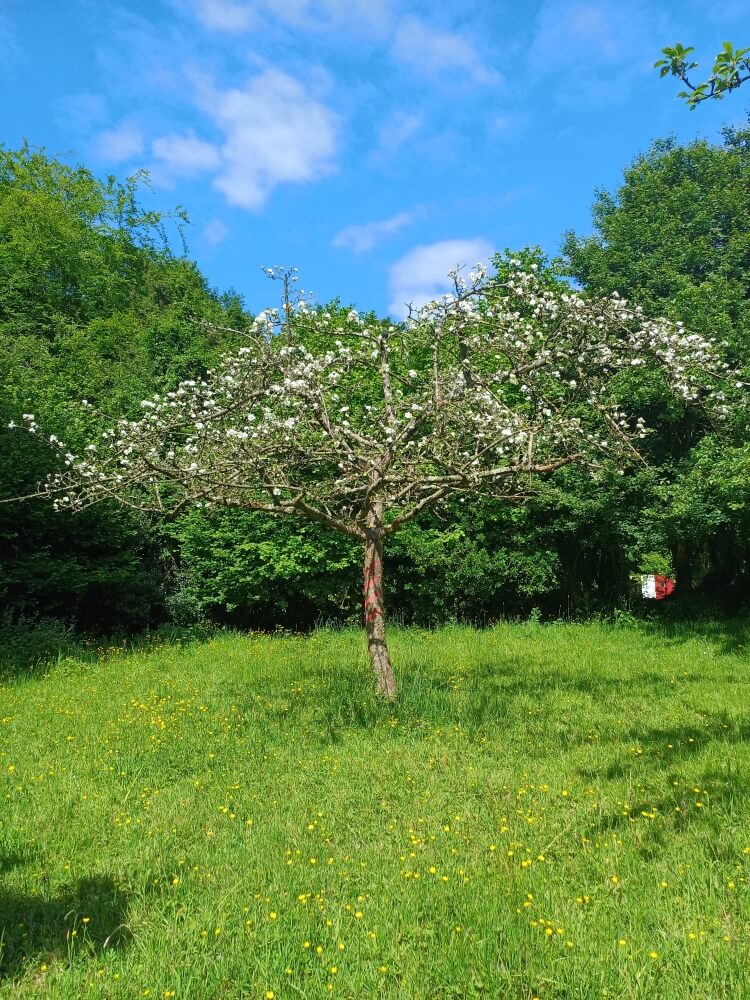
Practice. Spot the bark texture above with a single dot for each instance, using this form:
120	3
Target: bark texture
377	647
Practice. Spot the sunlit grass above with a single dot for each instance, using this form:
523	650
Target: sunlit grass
557	811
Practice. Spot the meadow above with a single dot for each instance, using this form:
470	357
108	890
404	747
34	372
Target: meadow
555	811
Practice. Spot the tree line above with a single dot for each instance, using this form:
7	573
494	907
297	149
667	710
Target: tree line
96	305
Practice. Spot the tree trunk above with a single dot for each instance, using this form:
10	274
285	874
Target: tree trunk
683	567
377	647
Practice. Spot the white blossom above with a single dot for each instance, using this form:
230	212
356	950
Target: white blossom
265	426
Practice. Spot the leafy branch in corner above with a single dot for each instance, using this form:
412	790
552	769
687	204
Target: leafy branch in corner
730	70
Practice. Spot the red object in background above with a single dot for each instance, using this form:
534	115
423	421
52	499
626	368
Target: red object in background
664	587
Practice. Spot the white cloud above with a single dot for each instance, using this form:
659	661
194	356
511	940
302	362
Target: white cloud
225	15
10	48
360	239
215	232
320	16
272	131
421	274
185	154
595	29
81	112
432	52
326	15
727	10
600	43
123	142
275	132
395	132
509	124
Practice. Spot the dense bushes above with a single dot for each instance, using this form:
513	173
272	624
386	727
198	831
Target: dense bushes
93	304
675	238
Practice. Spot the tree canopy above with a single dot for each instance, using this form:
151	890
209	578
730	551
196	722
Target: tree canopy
93	304
674	238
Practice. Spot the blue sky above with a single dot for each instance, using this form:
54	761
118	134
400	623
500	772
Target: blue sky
371	144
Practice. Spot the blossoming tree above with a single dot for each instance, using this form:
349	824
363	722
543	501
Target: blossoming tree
362	425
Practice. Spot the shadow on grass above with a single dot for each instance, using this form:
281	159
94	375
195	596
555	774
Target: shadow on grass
32	650
35	929
668	746
688	799
729	637
33	653
483	698
10	861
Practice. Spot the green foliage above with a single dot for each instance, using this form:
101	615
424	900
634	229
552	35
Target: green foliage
93	305
480	561
657	562
730	70
253	570
675	239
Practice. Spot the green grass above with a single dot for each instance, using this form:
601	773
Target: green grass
548	811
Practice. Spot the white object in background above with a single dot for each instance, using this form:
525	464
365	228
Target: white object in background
656	586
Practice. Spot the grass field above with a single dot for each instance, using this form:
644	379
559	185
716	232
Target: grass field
548	811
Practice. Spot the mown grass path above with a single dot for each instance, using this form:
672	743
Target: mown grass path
557	811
